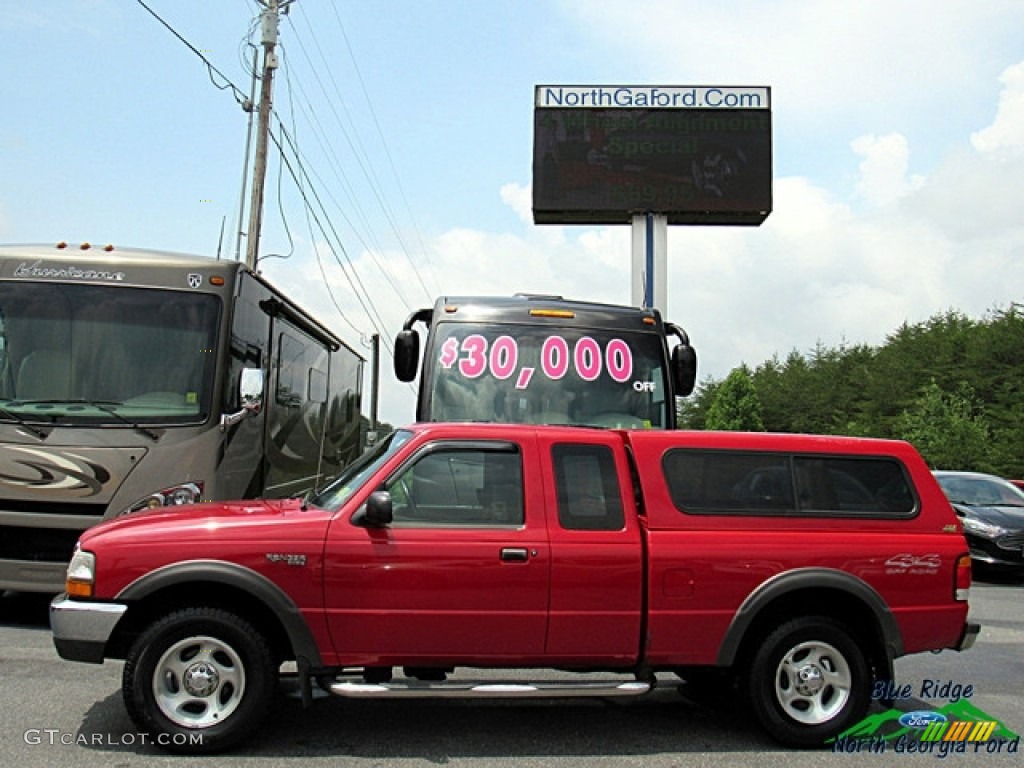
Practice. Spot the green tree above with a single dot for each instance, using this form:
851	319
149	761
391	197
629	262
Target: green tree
862	390
736	406
947	429
692	411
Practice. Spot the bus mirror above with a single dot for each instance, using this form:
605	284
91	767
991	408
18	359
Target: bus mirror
250	389
250	398
684	369
407	354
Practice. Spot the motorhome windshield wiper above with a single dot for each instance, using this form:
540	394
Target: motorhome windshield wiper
107	406
32	429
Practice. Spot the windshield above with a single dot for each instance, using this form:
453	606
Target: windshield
100	355
544	375
355	474
981	491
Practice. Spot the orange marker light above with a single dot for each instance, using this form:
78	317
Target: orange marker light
78	588
563	313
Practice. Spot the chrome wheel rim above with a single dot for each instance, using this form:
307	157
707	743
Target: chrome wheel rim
813	682
198	682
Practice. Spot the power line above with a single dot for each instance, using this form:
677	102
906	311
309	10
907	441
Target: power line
351	136
333	162
210	68
358	150
358	289
387	154
302	180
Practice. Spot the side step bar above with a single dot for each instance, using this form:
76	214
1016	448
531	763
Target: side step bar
488	690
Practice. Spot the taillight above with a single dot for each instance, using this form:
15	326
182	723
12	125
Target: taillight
962	583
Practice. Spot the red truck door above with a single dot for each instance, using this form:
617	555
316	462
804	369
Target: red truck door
597	553
460	575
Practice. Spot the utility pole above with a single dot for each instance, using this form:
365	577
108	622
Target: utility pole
371	437
268	25
248	106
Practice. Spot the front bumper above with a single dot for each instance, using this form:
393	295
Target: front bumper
81	629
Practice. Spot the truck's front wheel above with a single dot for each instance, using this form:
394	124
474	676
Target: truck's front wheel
199	680
808	682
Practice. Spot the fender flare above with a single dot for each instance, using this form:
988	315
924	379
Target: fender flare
232	574
786	583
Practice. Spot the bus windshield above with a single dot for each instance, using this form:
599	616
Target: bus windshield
102	355
547	375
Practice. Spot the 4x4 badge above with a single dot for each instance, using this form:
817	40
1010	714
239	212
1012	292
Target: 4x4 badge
913	563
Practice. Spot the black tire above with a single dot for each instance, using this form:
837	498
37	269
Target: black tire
199	680
808	682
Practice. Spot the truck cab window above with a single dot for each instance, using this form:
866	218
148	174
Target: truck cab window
460	487
589	497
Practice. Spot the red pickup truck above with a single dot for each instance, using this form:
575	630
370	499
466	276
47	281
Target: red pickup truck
794	567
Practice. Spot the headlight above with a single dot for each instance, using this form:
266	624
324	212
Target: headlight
176	495
81	575
981	528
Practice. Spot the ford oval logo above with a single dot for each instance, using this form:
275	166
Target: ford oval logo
921	718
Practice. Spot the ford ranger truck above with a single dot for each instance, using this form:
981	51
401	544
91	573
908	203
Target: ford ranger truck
792	568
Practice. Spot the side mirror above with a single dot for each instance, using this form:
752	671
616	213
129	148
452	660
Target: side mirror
378	509
250	398
250	389
407	354
684	369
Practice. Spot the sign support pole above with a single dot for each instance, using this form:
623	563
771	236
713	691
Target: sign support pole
650	261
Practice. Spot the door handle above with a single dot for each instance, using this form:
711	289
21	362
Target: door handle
514	555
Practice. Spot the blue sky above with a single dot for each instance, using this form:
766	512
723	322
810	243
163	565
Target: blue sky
898	139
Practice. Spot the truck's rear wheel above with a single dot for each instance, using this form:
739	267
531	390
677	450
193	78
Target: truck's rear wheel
199	680
809	681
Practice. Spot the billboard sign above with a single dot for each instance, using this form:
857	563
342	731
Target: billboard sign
699	155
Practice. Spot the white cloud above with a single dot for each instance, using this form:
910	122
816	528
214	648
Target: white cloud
865	59
806	209
1007	130
583	263
883	168
826	266
817	270
519	199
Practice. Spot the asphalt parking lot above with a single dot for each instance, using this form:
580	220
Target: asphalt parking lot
57	712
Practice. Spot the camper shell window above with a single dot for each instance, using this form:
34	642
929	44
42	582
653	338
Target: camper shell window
707	482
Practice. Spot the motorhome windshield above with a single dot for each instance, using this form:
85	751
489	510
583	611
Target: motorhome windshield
547	375
99	355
